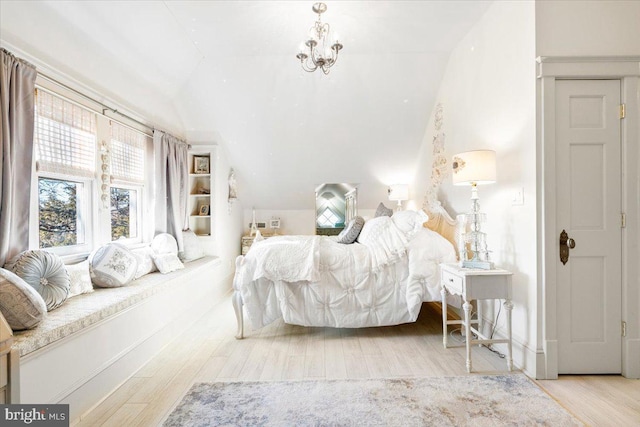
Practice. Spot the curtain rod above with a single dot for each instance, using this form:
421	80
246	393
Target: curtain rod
105	107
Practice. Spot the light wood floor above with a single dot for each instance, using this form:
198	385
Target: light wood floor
281	352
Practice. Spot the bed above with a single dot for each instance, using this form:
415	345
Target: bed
380	280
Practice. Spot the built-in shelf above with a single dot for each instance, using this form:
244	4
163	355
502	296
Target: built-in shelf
201	225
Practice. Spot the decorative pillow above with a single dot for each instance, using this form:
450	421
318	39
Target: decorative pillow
382	210
112	266
164	243
20	303
192	247
146	265
351	231
46	273
167	263
80	278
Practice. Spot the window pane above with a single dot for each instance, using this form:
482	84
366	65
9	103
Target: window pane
328	218
59	204
124	215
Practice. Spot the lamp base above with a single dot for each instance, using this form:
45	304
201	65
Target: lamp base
481	265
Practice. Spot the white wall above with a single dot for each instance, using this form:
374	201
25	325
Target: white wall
587	28
489	95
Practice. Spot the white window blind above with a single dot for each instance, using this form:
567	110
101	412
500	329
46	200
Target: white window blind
65	136
127	154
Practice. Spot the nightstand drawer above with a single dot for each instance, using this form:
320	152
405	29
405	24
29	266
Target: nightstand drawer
452	282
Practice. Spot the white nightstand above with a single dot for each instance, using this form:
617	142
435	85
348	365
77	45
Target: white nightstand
472	285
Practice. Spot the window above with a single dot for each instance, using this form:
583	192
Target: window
65	149
90	177
328	218
60	219
127	172
124	209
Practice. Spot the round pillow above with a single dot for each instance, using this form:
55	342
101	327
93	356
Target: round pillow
46	273
164	243
20	303
112	266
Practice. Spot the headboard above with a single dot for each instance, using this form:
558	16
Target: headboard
441	222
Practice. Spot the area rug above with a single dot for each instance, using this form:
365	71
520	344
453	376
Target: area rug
500	400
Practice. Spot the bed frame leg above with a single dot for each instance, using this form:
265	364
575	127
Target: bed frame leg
237	306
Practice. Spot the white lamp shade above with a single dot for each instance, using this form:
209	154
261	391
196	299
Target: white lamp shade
474	167
399	192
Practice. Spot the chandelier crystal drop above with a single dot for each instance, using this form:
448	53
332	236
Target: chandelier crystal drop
318	53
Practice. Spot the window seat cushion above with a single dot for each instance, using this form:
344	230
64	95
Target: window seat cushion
87	309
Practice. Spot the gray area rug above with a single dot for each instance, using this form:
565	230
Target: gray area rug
501	400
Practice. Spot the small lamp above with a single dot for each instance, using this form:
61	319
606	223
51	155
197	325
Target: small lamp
399	193
475	168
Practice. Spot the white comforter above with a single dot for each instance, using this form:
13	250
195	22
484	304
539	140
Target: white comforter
315	281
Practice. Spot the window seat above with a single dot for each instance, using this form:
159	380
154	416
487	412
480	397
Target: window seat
94	342
84	310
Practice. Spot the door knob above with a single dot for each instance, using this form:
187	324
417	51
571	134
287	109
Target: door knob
566	243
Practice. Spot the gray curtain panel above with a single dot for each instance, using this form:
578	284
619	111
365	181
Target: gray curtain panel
17	86
172	171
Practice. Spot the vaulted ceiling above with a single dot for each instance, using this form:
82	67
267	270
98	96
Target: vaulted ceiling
226	72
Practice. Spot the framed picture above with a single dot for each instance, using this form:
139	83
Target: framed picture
200	164
204	210
274	223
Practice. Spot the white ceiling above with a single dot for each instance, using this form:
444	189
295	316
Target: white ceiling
226	72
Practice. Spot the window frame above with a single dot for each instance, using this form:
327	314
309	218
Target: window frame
87	200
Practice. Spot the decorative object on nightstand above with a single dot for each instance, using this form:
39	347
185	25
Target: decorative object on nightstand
476	285
275	225
254	226
474	168
399	193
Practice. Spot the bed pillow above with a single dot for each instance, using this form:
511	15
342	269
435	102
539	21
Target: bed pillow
20	304
112	266
409	222
382	210
146	265
167	263
351	231
192	247
80	278
164	243
45	272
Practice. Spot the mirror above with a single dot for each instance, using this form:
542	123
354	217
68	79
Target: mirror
336	204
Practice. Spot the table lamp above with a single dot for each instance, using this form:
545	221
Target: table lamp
399	193
475	168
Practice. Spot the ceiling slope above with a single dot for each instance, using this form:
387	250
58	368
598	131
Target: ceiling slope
226	72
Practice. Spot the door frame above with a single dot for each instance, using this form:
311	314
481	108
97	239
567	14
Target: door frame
627	70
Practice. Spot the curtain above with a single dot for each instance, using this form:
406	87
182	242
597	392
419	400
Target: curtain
171	185
17	87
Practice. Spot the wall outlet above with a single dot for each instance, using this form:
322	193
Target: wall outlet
517	199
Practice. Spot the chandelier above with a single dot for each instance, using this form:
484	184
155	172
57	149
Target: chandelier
319	54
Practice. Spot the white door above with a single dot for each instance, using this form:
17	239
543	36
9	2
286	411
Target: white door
588	181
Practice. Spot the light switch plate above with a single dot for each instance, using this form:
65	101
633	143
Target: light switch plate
518	197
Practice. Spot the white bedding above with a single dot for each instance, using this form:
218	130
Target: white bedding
315	281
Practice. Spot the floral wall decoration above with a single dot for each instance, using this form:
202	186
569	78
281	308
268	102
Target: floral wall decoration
439	168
